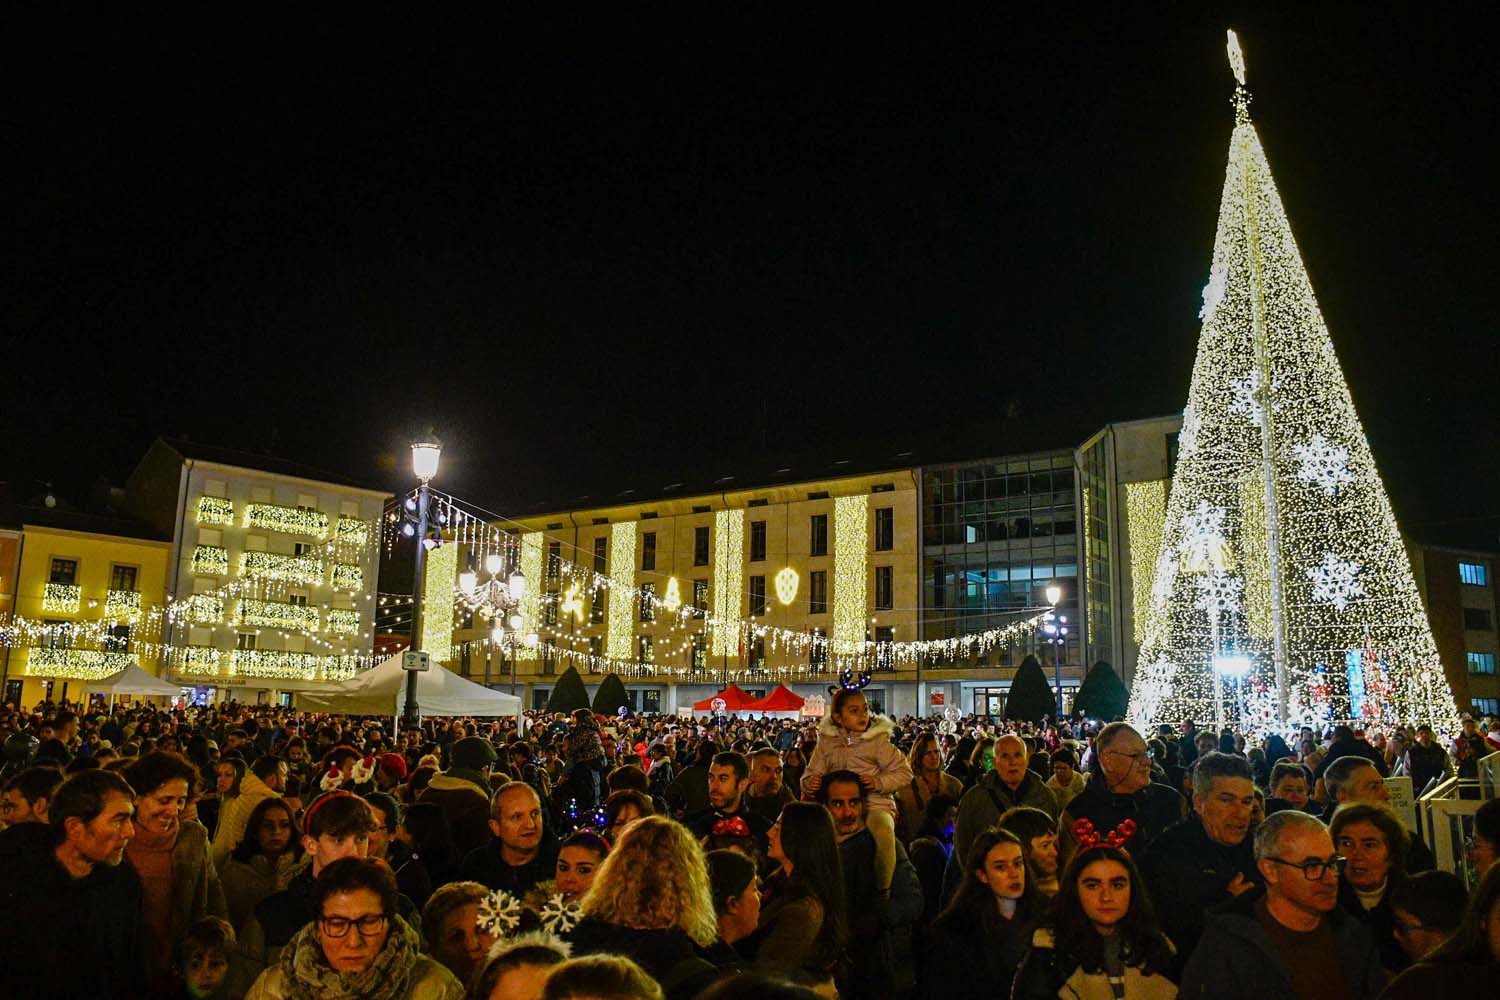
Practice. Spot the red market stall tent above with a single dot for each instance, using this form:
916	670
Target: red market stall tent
781	702
735	700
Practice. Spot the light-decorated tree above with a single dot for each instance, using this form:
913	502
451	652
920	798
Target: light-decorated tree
1282	593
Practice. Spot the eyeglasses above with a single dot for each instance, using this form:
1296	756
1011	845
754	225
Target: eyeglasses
337	927
1136	759
1314	868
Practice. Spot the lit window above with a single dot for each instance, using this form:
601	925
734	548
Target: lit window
1481	663
1475	574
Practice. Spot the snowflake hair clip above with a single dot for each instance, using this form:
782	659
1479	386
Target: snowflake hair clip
559	916
499	913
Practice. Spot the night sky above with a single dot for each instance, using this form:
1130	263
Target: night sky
608	255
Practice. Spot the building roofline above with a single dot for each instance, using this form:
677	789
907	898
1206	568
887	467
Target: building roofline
246	461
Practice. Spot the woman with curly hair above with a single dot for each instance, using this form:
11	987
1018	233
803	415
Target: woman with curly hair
651	901
1102	938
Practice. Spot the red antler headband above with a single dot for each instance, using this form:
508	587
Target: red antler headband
1089	838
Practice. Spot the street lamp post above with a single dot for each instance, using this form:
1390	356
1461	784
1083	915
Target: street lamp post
1056	627
424	463
495	597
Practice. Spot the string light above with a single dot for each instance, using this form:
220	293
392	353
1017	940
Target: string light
277	566
210	560
672	599
621	621
77	664
438	587
122	605
728	584
343	621
286	520
61	598
1145	513
1279	542
850	593
215	511
277	614
348	576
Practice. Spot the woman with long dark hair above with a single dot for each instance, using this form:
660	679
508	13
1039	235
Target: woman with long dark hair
802	926
1101	939
979	940
427	842
262	862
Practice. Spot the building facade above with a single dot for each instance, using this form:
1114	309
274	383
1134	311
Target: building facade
1459	590
275	564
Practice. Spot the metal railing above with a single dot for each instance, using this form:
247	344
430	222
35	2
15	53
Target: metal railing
1445	816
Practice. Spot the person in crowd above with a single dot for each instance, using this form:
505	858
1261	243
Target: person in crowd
982	761
1066	782
201	959
929	780
1289	788
651	901
661	771
977	944
523	763
736	891
1010	784
521	851
451	931
1468	747
600	977
1039	842
263	861
463	793
387	819
1467	962
623	808
239	792
850	739
793	764
1101	939
1354	779
586	762
1373	843
1288	938
1206	858
882	924
390	772
69	907
356	945
1427	907
1347	744
1484	842
516	968
1120	796
179	882
803	926
727	817
767	793
688	792
27	794
425	845
1426	760
578	862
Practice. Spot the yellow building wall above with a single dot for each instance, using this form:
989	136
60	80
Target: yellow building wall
96	555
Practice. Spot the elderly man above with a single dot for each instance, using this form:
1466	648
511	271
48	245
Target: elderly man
888	968
1121	789
1289	939
521	853
1009	785
1355	779
1205	859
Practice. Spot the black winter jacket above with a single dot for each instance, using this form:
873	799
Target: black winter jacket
668	955
1187	873
1153	808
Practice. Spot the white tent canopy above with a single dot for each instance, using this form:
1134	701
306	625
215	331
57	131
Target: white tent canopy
134	680
381	690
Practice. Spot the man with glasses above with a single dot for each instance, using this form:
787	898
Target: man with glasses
1289	939
1119	789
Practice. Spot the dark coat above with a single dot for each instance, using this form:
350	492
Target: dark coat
1351	748
1431	980
1380	919
790	937
462	797
982	805
1187	873
1153	808
66	937
967	961
883	928
668	955
1236	960
487	867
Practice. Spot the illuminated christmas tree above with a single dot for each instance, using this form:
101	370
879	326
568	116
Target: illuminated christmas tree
1282	593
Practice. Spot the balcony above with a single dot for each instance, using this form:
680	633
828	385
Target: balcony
200	661
61	598
210	560
277	614
74	664
205	609
276	566
286	520
352	531
122	605
348	577
343	621
215	511
276	664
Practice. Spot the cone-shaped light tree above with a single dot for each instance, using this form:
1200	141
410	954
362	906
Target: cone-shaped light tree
1282	594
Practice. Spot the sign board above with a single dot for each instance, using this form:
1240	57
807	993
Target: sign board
938	697
415	660
1403	801
814	707
685	712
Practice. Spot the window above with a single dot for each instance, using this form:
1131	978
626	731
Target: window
549	661
700	652
549	609
601	555
596	606
817	650
1487	706
818	543
700	546
648	602
554	560
596	646
1481	663
122	578
1478	620
298	598
1474	574
758	653
884	588
64	571
59	634
648	550
300	549
757	541
757	596
245	640
885	529
643	650
817	592
700	595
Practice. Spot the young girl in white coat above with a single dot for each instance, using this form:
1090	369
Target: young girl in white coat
849	739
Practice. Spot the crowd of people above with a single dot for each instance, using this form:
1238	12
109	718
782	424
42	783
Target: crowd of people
258	852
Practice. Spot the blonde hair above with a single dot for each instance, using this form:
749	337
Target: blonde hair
655	878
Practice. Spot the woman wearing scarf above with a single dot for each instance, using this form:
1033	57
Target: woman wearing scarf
356	947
